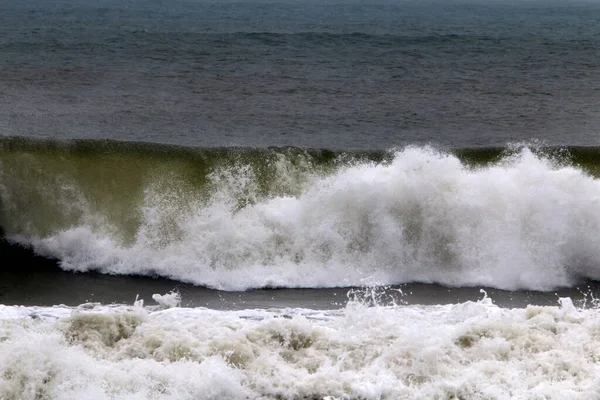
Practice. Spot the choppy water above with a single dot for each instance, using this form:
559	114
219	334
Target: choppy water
326	187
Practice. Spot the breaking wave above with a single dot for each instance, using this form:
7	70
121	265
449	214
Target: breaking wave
234	219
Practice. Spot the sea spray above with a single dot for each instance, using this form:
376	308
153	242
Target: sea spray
169	300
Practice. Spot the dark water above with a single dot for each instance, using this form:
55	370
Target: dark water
315	74
30	280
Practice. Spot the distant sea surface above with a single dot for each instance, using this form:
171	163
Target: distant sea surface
311	74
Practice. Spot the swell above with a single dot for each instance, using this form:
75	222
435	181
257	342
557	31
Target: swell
240	218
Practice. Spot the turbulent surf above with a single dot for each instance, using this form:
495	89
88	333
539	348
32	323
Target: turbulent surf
236	218
472	350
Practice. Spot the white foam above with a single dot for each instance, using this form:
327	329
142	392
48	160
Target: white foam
169	300
523	223
468	351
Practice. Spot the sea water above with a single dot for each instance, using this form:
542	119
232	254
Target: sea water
285	200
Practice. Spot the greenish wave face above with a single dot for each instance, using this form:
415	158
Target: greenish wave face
50	186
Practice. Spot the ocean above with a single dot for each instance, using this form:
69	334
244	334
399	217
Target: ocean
312	199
